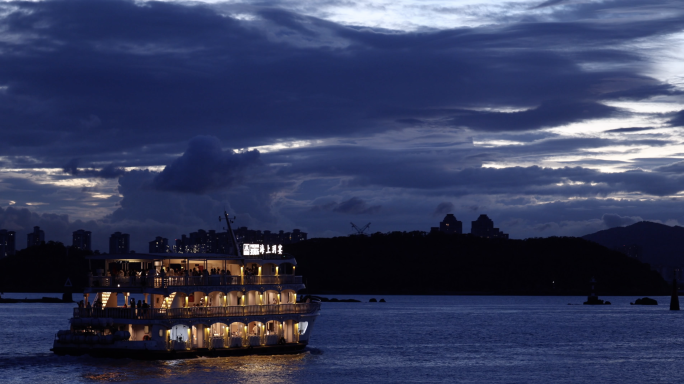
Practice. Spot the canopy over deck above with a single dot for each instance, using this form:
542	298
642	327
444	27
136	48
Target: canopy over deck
138	257
160	256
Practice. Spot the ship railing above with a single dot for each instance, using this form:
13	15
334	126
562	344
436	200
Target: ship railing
177	281
280	279
195	312
100	281
118	281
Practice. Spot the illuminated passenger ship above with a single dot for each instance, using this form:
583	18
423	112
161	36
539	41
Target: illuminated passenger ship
248	304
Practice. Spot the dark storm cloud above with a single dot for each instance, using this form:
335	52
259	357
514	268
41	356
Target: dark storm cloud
562	181
593	162
451	171
548	114
110	171
197	186
551	3
572	145
677	167
420	166
141	201
353	206
28	192
633	129
205	166
60	228
356	206
443	208
56	227
21	219
146	210
668	11
653	163
106	77
127	83
613	220
678	119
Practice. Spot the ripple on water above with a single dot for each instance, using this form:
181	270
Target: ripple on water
409	339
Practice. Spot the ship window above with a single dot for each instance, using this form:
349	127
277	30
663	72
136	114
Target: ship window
160	333
302	327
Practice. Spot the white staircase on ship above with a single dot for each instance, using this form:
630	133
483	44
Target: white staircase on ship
104	298
168	301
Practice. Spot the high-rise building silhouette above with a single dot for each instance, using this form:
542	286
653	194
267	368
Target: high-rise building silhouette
81	240
119	243
218	242
7	242
484	227
159	245
451	225
245	235
297	236
37	237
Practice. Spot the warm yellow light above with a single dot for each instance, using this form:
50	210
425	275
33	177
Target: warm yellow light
259	271
276	271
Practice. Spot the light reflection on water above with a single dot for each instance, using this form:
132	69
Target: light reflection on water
409	339
252	369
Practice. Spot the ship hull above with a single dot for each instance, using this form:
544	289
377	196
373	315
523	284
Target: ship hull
146	354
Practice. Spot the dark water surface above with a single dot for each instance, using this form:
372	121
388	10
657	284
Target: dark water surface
465	339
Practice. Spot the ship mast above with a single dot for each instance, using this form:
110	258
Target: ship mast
232	235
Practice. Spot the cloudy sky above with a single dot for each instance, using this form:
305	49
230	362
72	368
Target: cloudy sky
554	118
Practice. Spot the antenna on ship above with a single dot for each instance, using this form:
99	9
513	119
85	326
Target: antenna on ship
230	231
359	231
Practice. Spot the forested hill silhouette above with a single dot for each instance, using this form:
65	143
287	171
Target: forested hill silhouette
44	268
660	244
415	263
402	263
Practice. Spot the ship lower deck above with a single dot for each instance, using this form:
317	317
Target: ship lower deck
166	336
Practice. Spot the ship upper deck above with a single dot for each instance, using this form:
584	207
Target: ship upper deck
150	272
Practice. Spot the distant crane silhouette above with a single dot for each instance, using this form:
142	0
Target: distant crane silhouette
359	231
